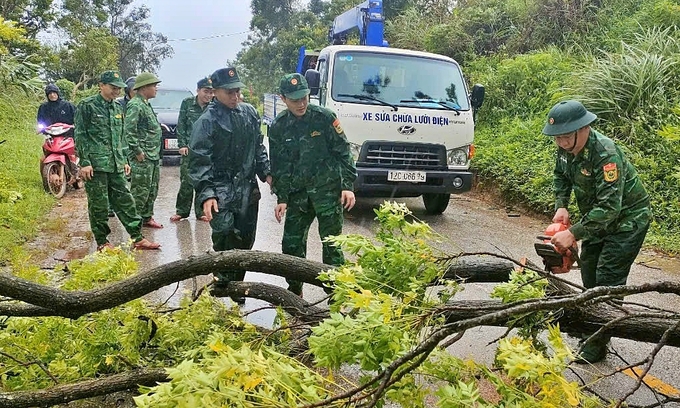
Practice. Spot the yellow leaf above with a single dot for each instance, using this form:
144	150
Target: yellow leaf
252	383
218	347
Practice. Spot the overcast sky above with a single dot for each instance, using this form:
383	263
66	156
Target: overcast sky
183	20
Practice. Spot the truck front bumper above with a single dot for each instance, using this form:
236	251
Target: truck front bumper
372	182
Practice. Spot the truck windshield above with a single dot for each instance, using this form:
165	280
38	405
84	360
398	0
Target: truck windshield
401	80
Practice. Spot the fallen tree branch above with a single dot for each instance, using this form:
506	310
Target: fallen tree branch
48	301
43	300
276	295
84	389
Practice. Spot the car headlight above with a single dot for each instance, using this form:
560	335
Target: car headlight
458	157
355	149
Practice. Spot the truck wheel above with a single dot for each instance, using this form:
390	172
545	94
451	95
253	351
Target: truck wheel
436	203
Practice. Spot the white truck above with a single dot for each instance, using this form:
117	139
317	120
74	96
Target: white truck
407	114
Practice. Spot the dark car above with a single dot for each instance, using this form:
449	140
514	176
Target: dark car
166	104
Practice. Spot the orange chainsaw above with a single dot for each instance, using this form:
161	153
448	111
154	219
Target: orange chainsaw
555	260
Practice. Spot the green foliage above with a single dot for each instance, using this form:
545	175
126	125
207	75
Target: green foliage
100	268
23	201
9	34
137	48
113	340
385	289
32	16
67	88
401	264
638	82
255	62
88	54
237	378
523	86
514	157
525	285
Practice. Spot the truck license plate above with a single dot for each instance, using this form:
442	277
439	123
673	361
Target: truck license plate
411	176
171	143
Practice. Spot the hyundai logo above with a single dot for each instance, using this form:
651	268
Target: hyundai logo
406	130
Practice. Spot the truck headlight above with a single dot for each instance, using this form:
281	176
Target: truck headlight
355	149
458	157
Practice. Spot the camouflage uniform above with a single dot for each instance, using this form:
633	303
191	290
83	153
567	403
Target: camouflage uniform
311	166
613	202
143	135
99	142
226	151
189	112
615	207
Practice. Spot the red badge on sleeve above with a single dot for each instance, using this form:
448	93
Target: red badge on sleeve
336	125
611	173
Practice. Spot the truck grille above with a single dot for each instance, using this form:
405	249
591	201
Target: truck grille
403	155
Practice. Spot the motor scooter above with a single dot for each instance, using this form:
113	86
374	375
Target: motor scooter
59	167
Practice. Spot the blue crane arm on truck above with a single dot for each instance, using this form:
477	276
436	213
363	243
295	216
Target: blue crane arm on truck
367	17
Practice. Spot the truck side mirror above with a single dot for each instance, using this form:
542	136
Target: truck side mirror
477	96
313	78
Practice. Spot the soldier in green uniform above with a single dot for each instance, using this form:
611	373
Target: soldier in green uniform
226	152
190	110
100	145
313	172
614	205
129	94
143	135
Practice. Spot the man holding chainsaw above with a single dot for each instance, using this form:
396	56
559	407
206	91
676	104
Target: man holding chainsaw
613	203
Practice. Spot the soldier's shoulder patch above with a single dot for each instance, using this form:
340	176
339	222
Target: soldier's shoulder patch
611	172
316	133
336	125
119	116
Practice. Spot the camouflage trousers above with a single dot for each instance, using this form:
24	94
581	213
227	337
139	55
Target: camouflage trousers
185	195
234	230
607	261
144	186
301	211
111	188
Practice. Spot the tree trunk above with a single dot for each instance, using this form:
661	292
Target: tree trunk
86	389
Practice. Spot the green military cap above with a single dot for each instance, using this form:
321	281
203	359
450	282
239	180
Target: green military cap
204	83
226	78
294	86
112	78
566	117
144	79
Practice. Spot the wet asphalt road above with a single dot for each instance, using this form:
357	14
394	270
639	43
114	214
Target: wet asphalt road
469	225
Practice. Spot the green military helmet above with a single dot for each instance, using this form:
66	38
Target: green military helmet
144	79
226	78
294	86
112	78
567	117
